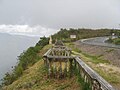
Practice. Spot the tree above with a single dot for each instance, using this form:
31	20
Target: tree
43	41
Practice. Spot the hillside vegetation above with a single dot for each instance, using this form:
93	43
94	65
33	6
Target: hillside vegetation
114	41
64	34
109	72
35	78
30	74
25	60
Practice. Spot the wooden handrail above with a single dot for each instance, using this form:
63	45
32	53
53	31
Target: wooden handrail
104	84
47	53
87	72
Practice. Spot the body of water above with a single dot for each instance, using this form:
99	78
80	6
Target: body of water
10	47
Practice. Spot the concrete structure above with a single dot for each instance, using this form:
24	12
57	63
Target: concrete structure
50	41
73	36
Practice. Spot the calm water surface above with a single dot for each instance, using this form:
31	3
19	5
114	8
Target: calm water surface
10	47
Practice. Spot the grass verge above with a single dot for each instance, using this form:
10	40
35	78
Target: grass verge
103	67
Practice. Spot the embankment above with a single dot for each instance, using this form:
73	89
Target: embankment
106	53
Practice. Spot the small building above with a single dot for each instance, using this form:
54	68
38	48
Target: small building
73	36
113	34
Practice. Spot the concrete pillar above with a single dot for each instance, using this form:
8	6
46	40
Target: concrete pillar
50	41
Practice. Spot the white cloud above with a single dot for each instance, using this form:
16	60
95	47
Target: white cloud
27	30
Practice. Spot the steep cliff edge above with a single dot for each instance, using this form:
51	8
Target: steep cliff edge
35	78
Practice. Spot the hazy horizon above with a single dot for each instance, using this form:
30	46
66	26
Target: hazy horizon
12	46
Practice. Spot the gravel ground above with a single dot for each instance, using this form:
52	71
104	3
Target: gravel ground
107	53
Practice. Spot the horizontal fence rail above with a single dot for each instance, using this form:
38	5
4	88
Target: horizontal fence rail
62	57
94	76
59	63
47	53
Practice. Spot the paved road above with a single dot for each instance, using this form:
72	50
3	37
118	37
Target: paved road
99	41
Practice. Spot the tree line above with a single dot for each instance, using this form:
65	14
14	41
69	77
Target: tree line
64	34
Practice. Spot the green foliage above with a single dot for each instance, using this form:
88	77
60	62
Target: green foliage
18	71
83	84
26	59
43	41
8	79
109	40
117	41
95	59
116	32
29	57
114	41
0	87
64	34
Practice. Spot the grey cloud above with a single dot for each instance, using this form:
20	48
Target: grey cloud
61	13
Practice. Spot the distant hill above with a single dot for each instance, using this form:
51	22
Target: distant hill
64	34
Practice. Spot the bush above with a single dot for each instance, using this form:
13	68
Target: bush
43	41
117	41
110	40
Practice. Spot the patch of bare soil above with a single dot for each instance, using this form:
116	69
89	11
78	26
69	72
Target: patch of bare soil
110	71
106	53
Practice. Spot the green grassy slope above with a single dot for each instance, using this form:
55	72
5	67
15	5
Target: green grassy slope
109	72
35	78
115	41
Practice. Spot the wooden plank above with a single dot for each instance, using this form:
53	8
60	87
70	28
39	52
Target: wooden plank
104	84
61	60
60	57
59	42
47	53
61	49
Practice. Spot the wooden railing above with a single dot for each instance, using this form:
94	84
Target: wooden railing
90	76
63	54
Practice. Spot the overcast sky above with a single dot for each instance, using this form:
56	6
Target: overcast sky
57	14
